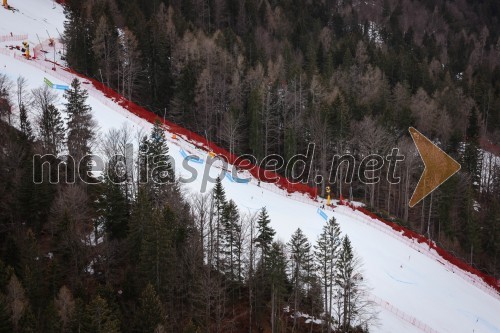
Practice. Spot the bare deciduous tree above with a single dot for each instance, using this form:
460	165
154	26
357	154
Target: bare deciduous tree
231	130
130	65
104	47
17	299
65	306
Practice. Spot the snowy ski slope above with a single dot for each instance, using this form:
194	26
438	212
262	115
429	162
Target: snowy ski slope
415	289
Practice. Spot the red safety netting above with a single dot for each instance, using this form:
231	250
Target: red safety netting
202	143
491	281
270	176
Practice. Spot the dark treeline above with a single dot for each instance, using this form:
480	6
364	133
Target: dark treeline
266	77
108	253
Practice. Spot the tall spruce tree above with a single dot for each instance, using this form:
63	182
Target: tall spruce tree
217	230
346	282
141	214
326	252
159	59
277	279
155	168
99	317
78	37
265	235
51	127
80	125
25	123
156	248
232	245
112	209
300	250
150	314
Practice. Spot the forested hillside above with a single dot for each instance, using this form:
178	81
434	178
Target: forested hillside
266	77
120	255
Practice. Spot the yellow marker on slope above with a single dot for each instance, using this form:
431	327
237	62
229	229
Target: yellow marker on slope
327	189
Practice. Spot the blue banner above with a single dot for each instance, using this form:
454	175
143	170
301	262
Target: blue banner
322	214
60	87
192	158
237	179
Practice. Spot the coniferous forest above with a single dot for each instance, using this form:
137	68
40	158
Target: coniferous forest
257	77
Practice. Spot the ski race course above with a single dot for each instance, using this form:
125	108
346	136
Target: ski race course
417	286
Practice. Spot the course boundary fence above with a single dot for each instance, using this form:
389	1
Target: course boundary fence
12	38
118	103
403	315
426	248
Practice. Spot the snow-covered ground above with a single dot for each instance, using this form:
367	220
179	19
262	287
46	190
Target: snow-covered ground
416	292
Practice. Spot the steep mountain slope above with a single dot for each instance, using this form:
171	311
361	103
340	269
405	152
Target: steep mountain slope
416	291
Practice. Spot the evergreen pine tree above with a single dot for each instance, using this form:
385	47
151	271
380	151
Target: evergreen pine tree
313	302
80	125
219	202
141	214
5	323
78	321
233	248
326	253
143	162
265	234
51	129
99	318
78	37
155	168
158	149
113	210
28	321
300	250
156	248
150	314
264	289
278	281
158	47
345	281
25	123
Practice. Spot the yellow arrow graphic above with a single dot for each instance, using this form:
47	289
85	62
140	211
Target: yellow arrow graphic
439	166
